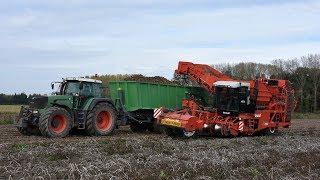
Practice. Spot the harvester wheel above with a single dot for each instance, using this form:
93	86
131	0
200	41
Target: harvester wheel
188	134
101	120
55	122
29	130
270	131
174	133
140	128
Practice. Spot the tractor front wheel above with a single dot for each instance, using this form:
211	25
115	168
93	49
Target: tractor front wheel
101	120
55	122
29	130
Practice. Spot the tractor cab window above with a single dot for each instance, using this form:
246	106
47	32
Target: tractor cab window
71	88
91	89
86	89
97	90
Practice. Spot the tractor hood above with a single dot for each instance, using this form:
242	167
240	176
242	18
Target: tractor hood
42	102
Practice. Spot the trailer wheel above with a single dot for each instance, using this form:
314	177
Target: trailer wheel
29	130
101	120
55	122
172	132
140	128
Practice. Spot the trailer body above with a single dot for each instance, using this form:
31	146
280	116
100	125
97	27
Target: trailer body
147	96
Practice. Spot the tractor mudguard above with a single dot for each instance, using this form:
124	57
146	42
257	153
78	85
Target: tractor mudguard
91	103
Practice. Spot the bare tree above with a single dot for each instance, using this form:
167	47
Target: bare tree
313	63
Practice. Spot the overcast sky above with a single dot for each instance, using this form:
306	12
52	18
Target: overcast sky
42	41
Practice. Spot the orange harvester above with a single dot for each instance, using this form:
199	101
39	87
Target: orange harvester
241	107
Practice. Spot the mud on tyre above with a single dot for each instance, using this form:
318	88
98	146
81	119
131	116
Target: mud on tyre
55	122
101	120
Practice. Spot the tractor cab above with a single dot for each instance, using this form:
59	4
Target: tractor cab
79	87
232	97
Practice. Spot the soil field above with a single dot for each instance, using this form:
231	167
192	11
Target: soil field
291	154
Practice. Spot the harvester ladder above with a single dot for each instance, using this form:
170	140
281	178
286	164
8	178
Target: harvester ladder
251	124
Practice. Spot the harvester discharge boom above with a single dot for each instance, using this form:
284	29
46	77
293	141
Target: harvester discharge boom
241	107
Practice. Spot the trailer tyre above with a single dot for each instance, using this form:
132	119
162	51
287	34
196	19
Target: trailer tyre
101	121
139	128
55	122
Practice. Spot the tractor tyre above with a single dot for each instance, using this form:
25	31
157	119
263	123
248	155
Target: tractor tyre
55	122
29	130
101	120
138	128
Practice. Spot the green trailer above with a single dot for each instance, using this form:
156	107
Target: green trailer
136	101
139	95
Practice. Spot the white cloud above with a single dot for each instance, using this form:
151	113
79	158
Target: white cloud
66	38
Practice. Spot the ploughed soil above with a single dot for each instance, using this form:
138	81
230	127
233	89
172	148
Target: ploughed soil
291	154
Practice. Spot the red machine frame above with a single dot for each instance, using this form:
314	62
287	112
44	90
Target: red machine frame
274	102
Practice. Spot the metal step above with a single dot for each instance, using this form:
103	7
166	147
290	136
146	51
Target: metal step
81	119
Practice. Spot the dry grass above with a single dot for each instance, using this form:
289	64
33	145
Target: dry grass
10	108
306	115
8	113
293	154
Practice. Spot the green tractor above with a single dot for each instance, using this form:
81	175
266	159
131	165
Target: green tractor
78	104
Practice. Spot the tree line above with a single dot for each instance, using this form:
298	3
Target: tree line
16	99
303	73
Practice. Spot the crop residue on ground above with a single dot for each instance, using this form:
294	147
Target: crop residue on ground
294	153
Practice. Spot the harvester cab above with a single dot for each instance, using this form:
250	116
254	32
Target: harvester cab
77	104
232	97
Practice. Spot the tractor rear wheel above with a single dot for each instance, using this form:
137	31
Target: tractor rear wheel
101	120
55	122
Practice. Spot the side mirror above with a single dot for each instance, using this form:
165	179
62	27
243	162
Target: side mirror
52	86
81	86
